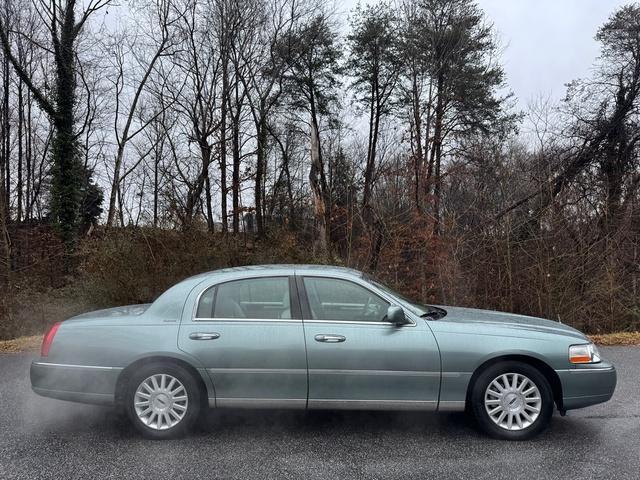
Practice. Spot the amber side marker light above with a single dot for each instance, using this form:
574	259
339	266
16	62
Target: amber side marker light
587	353
48	339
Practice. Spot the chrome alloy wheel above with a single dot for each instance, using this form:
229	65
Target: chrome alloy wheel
512	401
161	401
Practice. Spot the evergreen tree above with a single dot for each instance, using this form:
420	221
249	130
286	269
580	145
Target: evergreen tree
311	81
374	62
68	175
458	50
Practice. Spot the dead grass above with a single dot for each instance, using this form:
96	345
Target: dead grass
621	338
22	344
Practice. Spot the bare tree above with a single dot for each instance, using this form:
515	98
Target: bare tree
163	20
196	101
263	76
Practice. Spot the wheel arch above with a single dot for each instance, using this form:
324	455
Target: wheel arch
206	389
540	365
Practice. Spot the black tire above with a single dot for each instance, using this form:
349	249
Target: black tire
483	418
193	405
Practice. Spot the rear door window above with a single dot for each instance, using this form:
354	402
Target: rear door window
252	298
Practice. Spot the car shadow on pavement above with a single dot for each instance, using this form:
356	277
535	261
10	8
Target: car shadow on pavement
334	422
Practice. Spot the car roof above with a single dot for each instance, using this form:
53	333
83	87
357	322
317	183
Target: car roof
281	269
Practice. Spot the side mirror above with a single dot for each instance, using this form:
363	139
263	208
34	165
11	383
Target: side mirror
396	316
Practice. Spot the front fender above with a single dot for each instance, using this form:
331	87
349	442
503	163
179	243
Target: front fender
463	351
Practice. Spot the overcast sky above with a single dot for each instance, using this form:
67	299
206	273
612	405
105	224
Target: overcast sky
547	42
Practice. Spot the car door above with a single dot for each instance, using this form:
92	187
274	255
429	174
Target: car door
248	334
358	360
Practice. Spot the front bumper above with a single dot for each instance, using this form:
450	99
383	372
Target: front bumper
75	383
587	385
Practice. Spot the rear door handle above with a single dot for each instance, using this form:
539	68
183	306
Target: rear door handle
204	336
330	338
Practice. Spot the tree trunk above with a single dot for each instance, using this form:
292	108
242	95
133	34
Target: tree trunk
6	143
318	184
155	190
235	174
120	207
417	121
436	156
260	161
196	192
614	179
223	143
207	192
29	159
292	207
4	158
5	239
371	224
67	172
19	183
115	185
425	149
368	171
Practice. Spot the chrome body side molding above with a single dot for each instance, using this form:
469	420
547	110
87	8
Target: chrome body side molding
349	404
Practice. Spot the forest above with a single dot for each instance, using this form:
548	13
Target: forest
145	141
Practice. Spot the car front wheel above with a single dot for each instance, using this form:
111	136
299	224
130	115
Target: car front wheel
162	401
512	400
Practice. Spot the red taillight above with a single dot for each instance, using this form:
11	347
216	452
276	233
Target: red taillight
48	339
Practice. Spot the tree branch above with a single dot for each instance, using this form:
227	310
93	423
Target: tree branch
44	103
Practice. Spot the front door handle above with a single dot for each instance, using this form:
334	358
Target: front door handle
330	338
204	336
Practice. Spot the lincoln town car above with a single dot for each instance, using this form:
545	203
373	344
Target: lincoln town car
317	337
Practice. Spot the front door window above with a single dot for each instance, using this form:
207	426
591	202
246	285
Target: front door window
342	300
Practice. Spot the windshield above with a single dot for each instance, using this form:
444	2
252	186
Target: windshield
417	308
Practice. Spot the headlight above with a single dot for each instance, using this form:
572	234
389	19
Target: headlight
587	353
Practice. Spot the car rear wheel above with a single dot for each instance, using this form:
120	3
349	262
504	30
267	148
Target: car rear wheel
512	401
162	401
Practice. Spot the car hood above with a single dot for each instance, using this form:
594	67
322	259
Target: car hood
509	321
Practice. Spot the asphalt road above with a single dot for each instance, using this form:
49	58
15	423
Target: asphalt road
43	438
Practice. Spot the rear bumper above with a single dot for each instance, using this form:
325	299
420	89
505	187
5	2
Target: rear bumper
587	385
75	383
